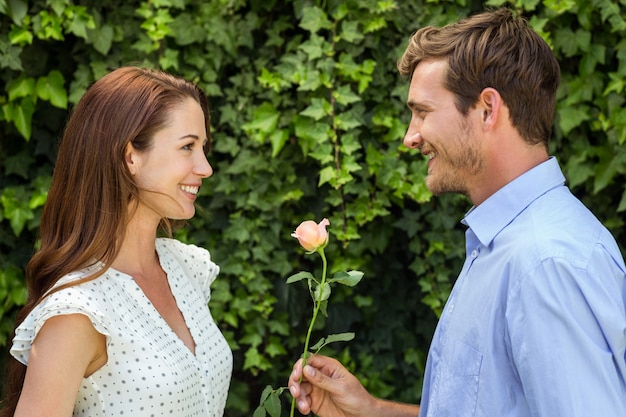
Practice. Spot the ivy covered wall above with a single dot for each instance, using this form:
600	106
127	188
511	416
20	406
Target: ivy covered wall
308	115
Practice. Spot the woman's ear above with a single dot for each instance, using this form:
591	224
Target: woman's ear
132	158
490	103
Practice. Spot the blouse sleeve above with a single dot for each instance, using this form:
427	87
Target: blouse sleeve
71	300
197	263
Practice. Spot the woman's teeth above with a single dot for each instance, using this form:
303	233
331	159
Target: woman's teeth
189	189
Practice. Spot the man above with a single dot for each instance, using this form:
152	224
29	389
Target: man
536	322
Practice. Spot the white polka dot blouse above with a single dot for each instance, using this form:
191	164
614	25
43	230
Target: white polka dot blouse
150	371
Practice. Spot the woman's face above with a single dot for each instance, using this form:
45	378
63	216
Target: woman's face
170	173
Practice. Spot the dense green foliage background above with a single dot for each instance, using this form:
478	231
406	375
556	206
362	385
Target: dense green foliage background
308	114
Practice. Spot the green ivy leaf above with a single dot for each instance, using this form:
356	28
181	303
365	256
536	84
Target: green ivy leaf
186	30
275	347
314	19
310	79
48	26
318	109
327	174
21	87
345	96
19	295
145	44
255	361
58	6
101	38
264	120
607	168
21	115
168	61
278	139
52	89
572	117
19	164
15	9
306	128
348	121
21	36
350	32
16	209
578	170
10	56
622	203
616	84
313	47
79	21
560	6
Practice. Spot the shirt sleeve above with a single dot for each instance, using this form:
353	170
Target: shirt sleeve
71	300
568	329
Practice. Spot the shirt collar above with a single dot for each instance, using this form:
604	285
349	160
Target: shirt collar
489	218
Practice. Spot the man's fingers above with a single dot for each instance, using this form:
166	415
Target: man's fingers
317	378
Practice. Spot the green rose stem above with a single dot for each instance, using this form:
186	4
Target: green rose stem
316	309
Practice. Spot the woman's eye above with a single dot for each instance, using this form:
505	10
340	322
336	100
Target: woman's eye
188	147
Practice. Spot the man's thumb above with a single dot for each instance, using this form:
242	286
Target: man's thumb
315	377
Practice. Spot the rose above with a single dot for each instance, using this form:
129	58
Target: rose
312	236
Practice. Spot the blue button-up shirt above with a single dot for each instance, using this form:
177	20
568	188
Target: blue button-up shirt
536	322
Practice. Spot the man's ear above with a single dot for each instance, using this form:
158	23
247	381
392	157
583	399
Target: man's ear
490	104
132	158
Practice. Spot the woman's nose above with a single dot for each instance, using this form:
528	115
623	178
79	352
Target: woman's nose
204	169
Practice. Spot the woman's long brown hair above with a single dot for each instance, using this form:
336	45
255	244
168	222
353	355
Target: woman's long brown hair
87	208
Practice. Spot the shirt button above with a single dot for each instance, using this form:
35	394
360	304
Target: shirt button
474	253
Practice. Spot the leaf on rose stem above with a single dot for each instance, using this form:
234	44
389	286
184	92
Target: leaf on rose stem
299	277
325	292
339	337
259	412
272	404
266	393
319	344
269	402
350	278
323	308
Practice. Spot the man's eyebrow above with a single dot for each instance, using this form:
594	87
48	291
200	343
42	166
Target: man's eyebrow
414	105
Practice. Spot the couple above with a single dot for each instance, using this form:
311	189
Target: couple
117	321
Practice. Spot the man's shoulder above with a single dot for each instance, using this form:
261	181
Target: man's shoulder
557	224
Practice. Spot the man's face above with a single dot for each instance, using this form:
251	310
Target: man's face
441	132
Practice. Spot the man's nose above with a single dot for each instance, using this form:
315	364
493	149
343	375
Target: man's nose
412	138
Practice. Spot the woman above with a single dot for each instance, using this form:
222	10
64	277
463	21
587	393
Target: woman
117	321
